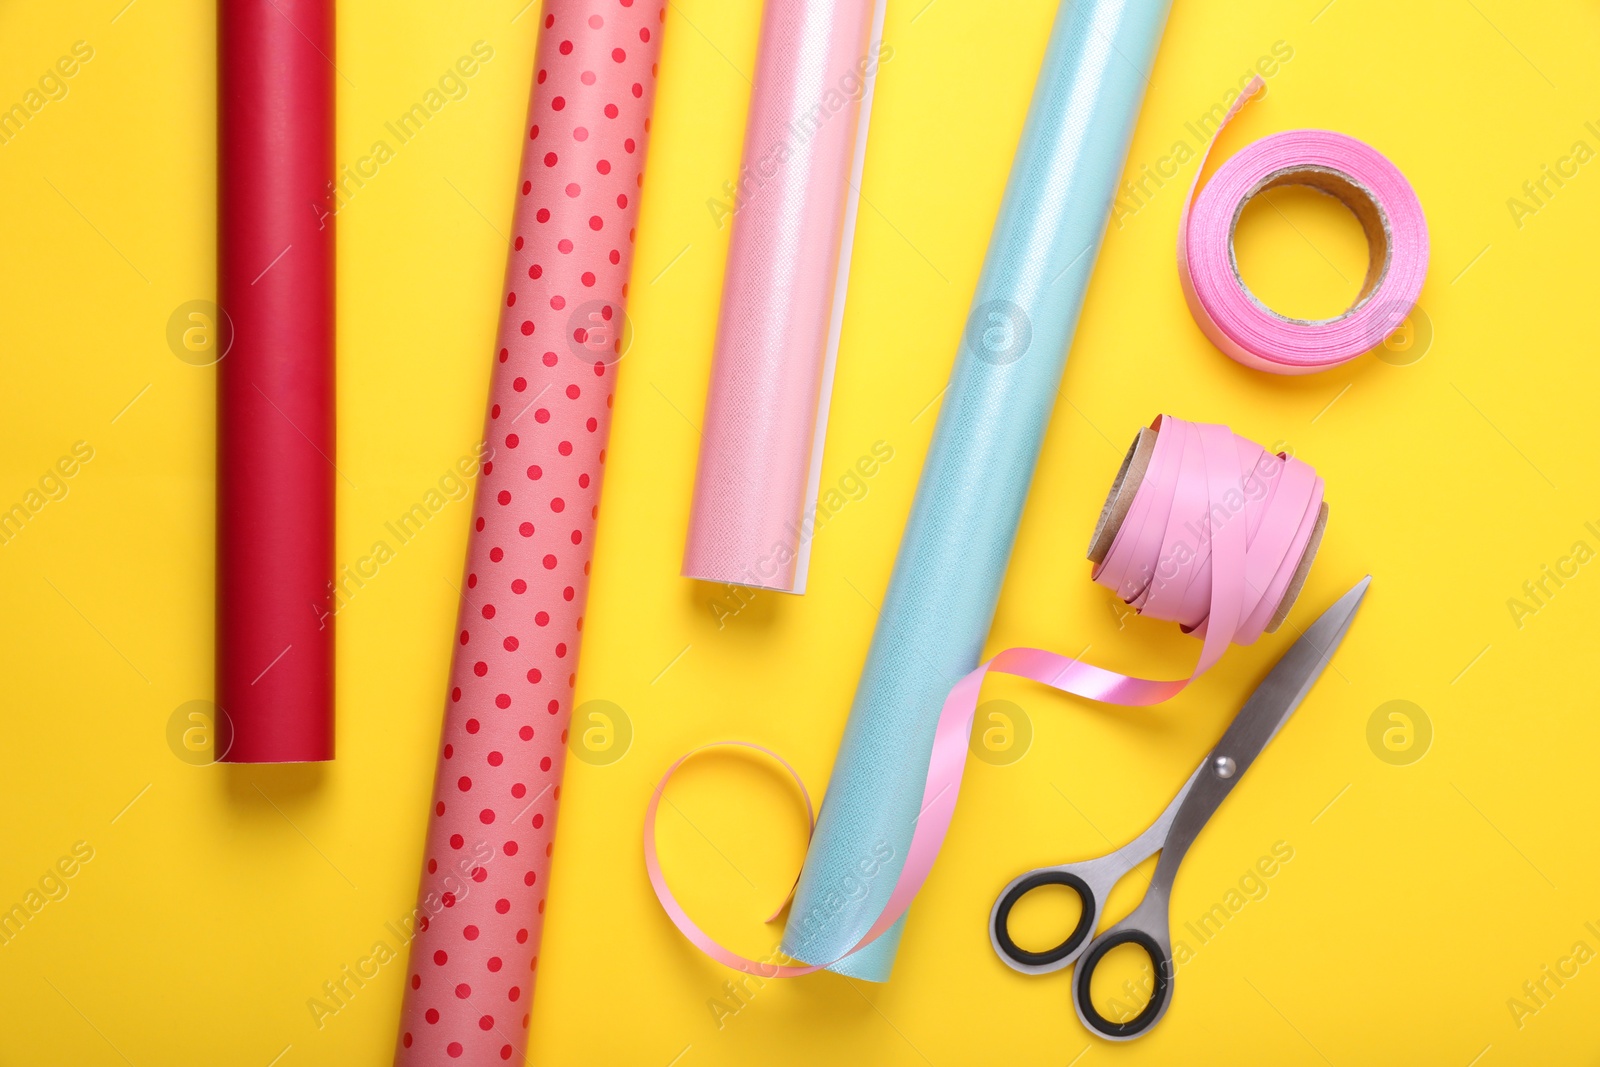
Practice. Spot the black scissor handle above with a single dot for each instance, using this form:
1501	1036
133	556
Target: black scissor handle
1002	918
1160	995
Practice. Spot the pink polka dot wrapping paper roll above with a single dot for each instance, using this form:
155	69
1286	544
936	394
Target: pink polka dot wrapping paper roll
486	866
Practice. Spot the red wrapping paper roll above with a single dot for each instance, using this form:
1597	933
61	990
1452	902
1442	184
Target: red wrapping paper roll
275	399
480	910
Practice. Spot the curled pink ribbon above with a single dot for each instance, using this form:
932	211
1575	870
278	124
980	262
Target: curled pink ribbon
1214	539
1364	181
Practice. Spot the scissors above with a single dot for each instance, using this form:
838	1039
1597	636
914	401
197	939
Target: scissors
1148	925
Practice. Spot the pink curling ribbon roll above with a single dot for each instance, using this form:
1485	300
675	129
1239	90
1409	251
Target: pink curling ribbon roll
793	213
1360	178
1202	528
480	910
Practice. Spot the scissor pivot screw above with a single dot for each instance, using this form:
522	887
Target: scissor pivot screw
1224	766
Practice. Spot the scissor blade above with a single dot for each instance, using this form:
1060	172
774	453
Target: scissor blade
1257	723
1287	684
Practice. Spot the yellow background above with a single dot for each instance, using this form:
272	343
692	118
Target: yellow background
1420	897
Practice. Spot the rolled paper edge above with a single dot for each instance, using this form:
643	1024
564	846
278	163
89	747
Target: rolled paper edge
706	574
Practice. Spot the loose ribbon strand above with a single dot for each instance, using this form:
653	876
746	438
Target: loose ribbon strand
1213	539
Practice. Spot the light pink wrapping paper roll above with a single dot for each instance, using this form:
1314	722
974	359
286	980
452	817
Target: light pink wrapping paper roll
480	911
783	296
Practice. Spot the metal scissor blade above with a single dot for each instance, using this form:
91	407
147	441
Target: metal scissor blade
1257	723
1287	684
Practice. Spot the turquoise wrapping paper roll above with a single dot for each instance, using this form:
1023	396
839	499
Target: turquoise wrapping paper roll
963	523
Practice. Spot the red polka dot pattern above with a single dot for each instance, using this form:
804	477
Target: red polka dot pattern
481	907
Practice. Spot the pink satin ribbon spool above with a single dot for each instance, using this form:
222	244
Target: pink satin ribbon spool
794	219
1203	528
1358	176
